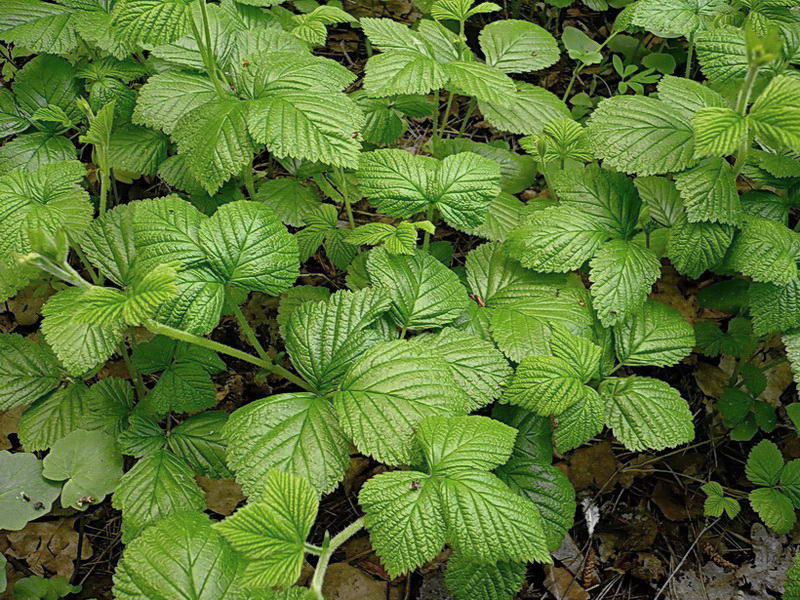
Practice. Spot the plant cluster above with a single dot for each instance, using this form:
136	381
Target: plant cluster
461	379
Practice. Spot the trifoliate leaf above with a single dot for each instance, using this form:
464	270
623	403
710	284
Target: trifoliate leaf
709	192
298	433
646	413
716	502
694	248
388	392
641	135
622	274
766	251
526	112
28	370
472	580
548	488
90	464
515	46
451	444
580	422
159	485
248	246
477	366
24	494
423	291
271	532
776	112
325	338
774	508
718	131
181	552
656	335
199	441
546	385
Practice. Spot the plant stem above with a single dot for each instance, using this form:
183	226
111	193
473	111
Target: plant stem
446	115
141	390
742	102
249	182
689	57
328	548
97	279
266	364
105	179
426	237
204	47
346	195
248	332
575	72
467	116
435	113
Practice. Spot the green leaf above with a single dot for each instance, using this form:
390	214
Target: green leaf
311	125
505	212
688	95
28	371
185	383
169	96
200	442
622	274
297	433
473	443
477	366
109	401
694	248
47	80
718	131
527	111
404	518
656	335
549	489
32	151
53	416
271	533
325	338
143	436
468	579
137	149
515	46
39	588
24	494
790	481
640	135
580	422
556	239
677	17
151	22
581	354
423	291
109	244
89	463
289	199
716	502
214	139
388	392
167	229
403	72
182	552
764	464
774	508
477	79
580	46
546	385
722	53
766	251
646	413
158	486
199	301
38	26
709	192
776	112
248	246
775	308
609	199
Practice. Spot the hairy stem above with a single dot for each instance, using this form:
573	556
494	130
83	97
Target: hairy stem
467	116
328	548
248	332
204	47
249	182
426	237
141	390
446	115
435	113
742	102
689	57
346	195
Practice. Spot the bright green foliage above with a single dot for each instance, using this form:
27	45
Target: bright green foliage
766	251
709	193
683	17
387	393
475	513
656	335
200	442
424	292
298	433
40	588
545	384
717	131
271	531
24	493
89	462
646	413
28	371
517	46
778	496
182	551
716	502
185	383
53	416
470	580
401	185
159	485
776	113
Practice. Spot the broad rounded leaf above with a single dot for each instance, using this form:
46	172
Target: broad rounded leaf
24	494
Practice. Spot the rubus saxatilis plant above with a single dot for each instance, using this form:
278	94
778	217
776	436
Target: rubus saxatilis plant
539	332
